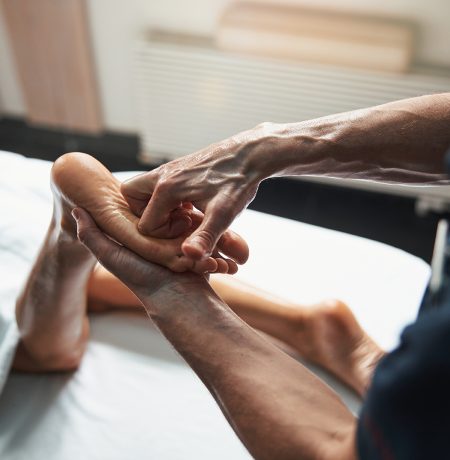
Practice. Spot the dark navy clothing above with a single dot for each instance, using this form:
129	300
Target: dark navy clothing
407	411
406	415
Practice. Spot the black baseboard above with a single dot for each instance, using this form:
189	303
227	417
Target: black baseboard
381	217
117	151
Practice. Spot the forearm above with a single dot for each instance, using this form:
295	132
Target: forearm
403	141
275	405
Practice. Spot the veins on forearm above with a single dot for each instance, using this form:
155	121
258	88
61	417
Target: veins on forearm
403	141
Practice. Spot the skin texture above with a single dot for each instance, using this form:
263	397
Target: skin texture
403	141
239	366
51	310
241	369
80	180
326	334
252	380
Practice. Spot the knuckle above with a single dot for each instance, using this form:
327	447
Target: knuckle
142	227
125	187
264	125
208	236
161	187
164	185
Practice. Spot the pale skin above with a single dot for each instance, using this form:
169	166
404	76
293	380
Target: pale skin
52	319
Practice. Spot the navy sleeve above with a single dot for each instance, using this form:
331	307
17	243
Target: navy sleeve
406	415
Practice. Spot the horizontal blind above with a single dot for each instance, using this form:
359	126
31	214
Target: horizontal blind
189	95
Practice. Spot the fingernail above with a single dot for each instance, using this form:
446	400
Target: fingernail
76	214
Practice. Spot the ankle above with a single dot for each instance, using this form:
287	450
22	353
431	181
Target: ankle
37	355
297	323
32	360
366	358
66	246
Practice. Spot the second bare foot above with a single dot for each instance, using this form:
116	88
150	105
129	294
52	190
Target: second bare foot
329	335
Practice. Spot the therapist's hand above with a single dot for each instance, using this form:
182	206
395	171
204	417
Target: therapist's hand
148	281
218	180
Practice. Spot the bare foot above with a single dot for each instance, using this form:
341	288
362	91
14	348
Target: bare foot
79	180
329	335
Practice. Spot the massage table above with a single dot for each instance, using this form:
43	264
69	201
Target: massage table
133	397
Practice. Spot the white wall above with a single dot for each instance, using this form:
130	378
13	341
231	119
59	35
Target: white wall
116	23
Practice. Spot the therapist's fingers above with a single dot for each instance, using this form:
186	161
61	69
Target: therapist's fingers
138	190
157	213
222	265
150	198
230	244
179	222
232	267
218	217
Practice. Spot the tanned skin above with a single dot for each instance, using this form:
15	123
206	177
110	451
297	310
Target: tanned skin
326	333
51	311
275	405
400	142
242	369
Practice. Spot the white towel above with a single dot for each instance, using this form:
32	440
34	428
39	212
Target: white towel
25	210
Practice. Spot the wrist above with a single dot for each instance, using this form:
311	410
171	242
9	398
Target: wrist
186	291
262	149
278	149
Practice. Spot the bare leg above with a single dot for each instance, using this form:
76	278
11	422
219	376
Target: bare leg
276	406
106	292
51	311
326	334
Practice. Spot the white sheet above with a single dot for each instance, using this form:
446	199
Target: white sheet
133	397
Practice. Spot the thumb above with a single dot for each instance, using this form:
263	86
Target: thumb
92	237
202	242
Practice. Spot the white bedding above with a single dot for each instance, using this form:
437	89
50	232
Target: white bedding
133	397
